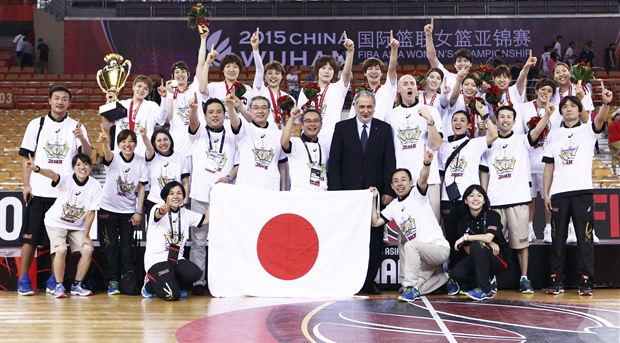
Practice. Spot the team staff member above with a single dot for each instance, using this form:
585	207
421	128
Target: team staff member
122	203
362	156
70	218
425	249
307	157
53	140
214	161
568	188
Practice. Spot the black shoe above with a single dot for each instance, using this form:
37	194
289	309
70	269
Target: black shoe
374	290
556	285
198	290
585	287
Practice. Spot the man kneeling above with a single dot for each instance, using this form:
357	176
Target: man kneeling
425	249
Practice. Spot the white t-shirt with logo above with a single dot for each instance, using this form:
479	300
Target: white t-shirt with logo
415	213
156	245
149	113
74	201
509	171
384	96
535	153
121	183
259	154
300	165
410	132
165	169
56	147
211	161
570	150
219	90
464	167
446	121
587	103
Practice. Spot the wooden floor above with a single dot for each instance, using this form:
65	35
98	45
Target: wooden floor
102	318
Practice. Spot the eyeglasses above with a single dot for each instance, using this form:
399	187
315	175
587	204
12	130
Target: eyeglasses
312	121
261	108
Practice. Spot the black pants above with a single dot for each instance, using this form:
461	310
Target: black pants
451	213
115	236
166	279
581	209
478	266
374	259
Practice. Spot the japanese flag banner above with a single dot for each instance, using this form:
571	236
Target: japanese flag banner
287	244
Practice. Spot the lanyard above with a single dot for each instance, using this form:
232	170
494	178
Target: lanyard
221	143
308	151
570	92
432	99
376	89
323	96
177	92
228	89
508	97
133	115
178	222
276	108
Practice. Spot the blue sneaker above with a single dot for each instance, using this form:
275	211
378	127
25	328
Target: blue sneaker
50	284
525	286
113	288
24	285
493	283
59	291
80	289
478	294
409	294
183	293
144	292
453	287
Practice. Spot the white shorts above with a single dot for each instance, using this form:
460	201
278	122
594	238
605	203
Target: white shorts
537	185
515	219
59	238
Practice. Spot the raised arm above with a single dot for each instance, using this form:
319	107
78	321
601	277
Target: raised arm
348	63
80	133
194	121
599	120
522	79
258	62
107	151
484	112
431	54
202	52
535	132
204	76
393	59
426	170
460	76
235	122
434	138
150	151
48	173
376	219
285	140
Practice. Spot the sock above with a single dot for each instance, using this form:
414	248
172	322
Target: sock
548	226
530	225
523	277
76	282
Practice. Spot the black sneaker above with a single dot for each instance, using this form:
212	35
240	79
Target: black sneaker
198	290
557	286
585	286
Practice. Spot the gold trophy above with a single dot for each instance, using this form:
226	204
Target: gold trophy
114	77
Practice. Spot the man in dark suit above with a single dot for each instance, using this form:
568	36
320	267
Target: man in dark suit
361	156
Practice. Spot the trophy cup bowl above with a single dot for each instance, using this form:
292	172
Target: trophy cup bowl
114	77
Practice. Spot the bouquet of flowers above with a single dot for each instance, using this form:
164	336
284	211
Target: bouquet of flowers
240	91
531	124
583	73
311	91
364	87
484	73
472	104
419	78
493	96
286	104
197	18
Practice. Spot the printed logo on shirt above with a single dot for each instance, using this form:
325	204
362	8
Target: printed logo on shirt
125	125
56	151
568	153
408	227
72	210
504	165
408	136
457	166
263	155
183	112
165	176
124	187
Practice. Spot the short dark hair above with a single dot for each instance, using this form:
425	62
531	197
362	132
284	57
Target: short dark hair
214	101
324	60
501	69
260	97
60	89
82	157
575	100
473	77
463	113
275	65
471	189
168	187
179	65
558	37
228	59
308	110
124	134
464	53
546	82
405	170
165	132
371	62
507	108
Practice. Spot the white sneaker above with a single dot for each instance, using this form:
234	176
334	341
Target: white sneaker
532	235
572	238
595	238
547	235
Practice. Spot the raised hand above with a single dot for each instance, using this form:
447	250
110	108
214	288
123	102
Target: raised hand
103	136
460	76
428	28
580	94
110	95
481	108
295	113
424	113
30	163
193	102
163	209
549	109
77	132
446	89
255	39
162	91
374	191
428	155
531	61
393	42
348	44
142	130
606	94
212	55
171	84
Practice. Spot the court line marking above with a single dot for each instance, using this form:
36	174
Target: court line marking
438	320
304	323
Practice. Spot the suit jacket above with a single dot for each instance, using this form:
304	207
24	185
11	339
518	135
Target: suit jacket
349	168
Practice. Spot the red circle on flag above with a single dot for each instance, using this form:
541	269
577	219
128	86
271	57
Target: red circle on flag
287	246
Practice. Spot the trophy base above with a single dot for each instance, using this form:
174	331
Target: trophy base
113	111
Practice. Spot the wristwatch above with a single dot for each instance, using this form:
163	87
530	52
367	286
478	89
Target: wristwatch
230	179
465	237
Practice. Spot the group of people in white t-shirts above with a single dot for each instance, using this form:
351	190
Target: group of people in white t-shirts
227	132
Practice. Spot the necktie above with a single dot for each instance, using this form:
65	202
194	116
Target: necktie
364	137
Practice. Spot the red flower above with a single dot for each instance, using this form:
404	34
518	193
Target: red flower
531	124
239	89
472	103
286	103
495	90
